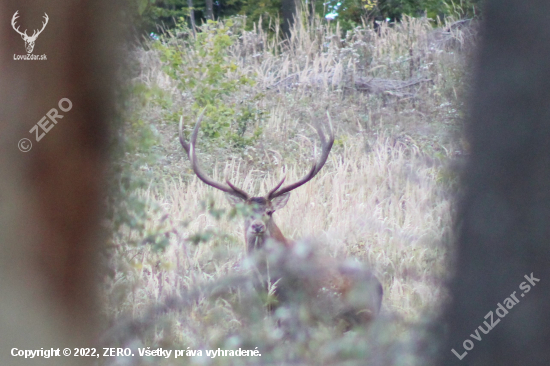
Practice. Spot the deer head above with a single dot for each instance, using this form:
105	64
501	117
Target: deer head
259	225
29	41
298	271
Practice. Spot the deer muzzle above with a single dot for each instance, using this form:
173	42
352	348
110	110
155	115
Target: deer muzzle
257	227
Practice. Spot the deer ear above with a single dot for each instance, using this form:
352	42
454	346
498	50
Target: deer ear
279	202
234	200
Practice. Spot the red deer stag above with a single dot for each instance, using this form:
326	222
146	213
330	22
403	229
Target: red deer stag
299	269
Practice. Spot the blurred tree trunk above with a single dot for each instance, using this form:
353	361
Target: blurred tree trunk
209	9
504	216
288	12
192	16
50	196
311	12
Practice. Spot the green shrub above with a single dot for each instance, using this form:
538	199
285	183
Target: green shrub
204	69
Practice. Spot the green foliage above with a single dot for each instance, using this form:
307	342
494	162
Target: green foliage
352	12
149	14
214	234
205	70
395	9
464	8
253	10
127	211
242	120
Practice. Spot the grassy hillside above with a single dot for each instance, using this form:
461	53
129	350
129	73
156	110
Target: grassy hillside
384	197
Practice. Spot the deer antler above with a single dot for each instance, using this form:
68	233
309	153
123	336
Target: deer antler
13	19
190	149
35	34
326	146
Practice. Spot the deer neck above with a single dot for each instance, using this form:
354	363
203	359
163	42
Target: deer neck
275	233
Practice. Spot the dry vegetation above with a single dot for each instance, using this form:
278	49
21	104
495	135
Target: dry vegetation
384	197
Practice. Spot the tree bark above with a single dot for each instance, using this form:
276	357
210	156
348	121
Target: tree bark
209	9
504	217
311	12
50	196
288	12
192	16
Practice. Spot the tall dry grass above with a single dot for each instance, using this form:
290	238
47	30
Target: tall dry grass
384	197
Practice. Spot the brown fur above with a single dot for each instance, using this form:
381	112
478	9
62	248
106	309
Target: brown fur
346	289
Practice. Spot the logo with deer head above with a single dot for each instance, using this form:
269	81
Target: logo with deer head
29	40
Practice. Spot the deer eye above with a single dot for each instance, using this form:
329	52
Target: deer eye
270	212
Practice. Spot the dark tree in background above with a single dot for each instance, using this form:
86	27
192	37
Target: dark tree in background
154	16
288	12
191	15
51	196
209	9
504	218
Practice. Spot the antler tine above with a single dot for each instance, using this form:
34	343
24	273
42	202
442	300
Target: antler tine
195	131
183	143
326	145
13	19
43	26
276	187
190	149
237	190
